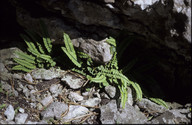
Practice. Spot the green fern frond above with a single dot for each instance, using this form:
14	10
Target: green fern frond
35	38
46	38
38	58
71	57
47	44
26	57
30	44
111	41
82	55
69	50
113	64
139	94
24	63
123	91
159	101
79	71
97	79
69	45
20	67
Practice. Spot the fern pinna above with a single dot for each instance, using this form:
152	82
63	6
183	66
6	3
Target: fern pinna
40	55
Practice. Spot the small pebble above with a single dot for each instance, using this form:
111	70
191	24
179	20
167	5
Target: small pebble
47	100
9	113
39	106
75	96
16	94
28	78
21	110
30	87
53	89
20	118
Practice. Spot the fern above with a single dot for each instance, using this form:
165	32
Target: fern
69	50
20	67
39	58
111	41
46	38
26	57
159	101
137	89
105	75
25	63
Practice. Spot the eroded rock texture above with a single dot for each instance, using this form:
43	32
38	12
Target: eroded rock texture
162	29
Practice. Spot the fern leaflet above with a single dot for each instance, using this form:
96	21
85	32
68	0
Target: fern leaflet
159	101
20	67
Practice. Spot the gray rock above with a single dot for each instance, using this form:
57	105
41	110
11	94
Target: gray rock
47	100
21	110
55	109
26	91
109	1
151	106
91	102
32	96
75	111
20	85
9	113
44	74
5	86
56	89
42	122
109	113
20	118
72	81
30	122
174	105
129	96
28	77
17	76
2	68
39	106
30	87
111	90
99	51
75	96
16	94
7	54
171	117
53	89
129	115
11	122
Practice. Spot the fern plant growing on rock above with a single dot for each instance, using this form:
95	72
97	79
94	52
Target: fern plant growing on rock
40	57
39	49
102	74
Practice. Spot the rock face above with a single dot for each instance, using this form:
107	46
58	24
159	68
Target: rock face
162	28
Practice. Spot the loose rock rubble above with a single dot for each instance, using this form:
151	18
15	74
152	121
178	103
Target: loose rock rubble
53	98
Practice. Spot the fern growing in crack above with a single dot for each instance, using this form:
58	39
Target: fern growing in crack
69	50
159	101
38	57
103	74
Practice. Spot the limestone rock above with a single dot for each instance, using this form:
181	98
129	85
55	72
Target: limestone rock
55	109
75	111
72	81
9	113
109	113
21	118
151	106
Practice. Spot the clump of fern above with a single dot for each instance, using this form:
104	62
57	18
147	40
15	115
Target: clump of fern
39	49
101	74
